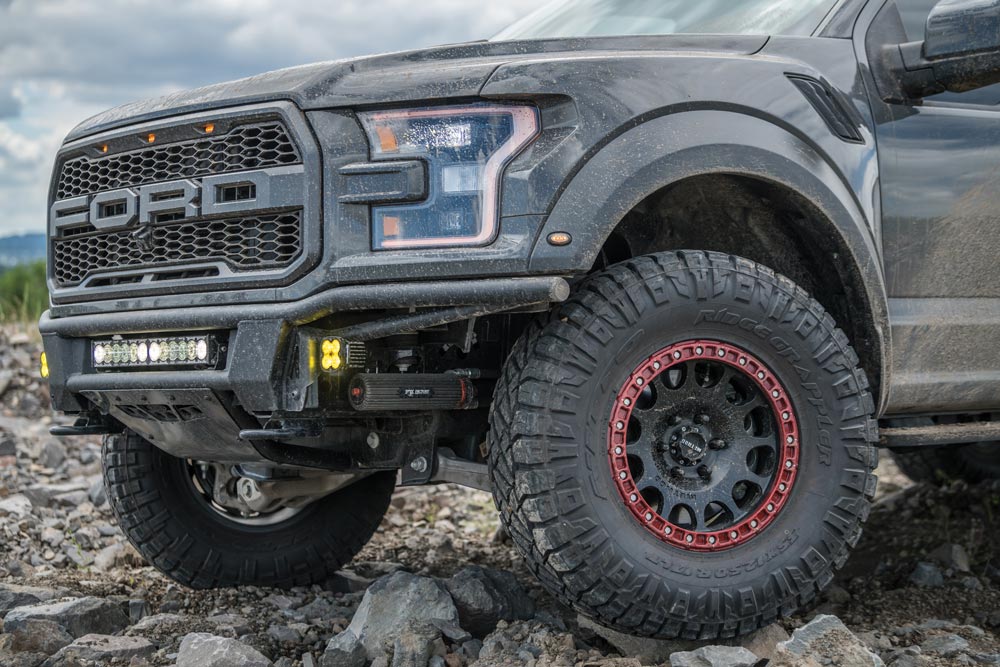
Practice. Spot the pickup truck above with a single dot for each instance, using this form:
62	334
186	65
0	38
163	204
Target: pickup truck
654	273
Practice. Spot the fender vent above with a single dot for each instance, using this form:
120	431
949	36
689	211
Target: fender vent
831	106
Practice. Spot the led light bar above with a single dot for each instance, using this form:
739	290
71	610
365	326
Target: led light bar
155	351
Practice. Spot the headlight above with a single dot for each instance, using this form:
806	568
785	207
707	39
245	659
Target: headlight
466	149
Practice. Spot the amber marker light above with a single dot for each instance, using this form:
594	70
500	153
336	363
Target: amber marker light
209	128
151	138
103	148
560	239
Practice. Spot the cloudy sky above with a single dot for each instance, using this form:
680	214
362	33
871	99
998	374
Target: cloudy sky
64	60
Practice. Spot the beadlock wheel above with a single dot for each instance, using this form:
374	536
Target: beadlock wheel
190	539
703	445
684	448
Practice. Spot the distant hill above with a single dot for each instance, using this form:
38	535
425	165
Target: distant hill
21	249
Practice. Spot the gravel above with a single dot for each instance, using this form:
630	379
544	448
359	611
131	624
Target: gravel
439	586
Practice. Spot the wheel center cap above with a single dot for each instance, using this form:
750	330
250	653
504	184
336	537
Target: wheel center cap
692	446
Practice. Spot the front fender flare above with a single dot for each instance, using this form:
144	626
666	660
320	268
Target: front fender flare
671	148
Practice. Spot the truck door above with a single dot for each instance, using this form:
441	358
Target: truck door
939	161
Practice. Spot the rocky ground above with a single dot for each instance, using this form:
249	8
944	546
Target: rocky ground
437	586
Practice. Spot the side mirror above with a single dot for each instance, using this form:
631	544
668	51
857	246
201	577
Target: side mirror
960	52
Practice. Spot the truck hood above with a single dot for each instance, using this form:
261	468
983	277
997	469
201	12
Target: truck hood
426	75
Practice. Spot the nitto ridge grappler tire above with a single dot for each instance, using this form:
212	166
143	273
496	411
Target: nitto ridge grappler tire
178	532
685	447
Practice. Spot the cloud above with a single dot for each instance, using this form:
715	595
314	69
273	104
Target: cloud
64	60
10	105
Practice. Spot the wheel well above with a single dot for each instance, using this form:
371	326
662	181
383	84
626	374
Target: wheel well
762	221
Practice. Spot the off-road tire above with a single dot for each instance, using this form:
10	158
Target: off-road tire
549	463
161	514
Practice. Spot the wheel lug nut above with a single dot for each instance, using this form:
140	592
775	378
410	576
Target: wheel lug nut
717	444
702	419
675	420
704	472
676	472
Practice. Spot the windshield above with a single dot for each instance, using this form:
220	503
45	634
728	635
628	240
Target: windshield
594	18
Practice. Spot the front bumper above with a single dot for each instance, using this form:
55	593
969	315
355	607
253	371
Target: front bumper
261	336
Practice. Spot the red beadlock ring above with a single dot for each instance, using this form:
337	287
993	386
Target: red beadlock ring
787	462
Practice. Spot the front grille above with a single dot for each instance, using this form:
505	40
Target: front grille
256	146
244	244
220	233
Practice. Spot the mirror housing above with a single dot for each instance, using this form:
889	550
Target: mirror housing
960	52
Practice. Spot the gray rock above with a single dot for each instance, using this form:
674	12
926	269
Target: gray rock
471	649
952	556
70	498
80	616
17	506
646	650
79	557
12	595
137	610
388	605
200	649
944	645
97	493
51	454
283	633
52	536
159	622
350	655
415	645
907	657
232	622
41	495
283	601
484	597
927	575
347	581
101	649
715	656
39	636
764	642
10	659
826	638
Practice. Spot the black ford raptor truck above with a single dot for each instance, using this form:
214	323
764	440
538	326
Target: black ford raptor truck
653	272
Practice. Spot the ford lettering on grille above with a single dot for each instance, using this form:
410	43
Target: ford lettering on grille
142	206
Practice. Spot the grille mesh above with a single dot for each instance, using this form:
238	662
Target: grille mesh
257	146
245	244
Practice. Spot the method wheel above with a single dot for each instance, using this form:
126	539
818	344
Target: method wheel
162	508
685	447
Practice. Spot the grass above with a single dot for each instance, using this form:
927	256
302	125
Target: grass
23	294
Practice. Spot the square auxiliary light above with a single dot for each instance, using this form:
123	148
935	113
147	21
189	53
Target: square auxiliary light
155	352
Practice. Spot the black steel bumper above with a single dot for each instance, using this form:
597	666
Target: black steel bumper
259	335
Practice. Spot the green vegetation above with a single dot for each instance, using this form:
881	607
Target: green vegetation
23	294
